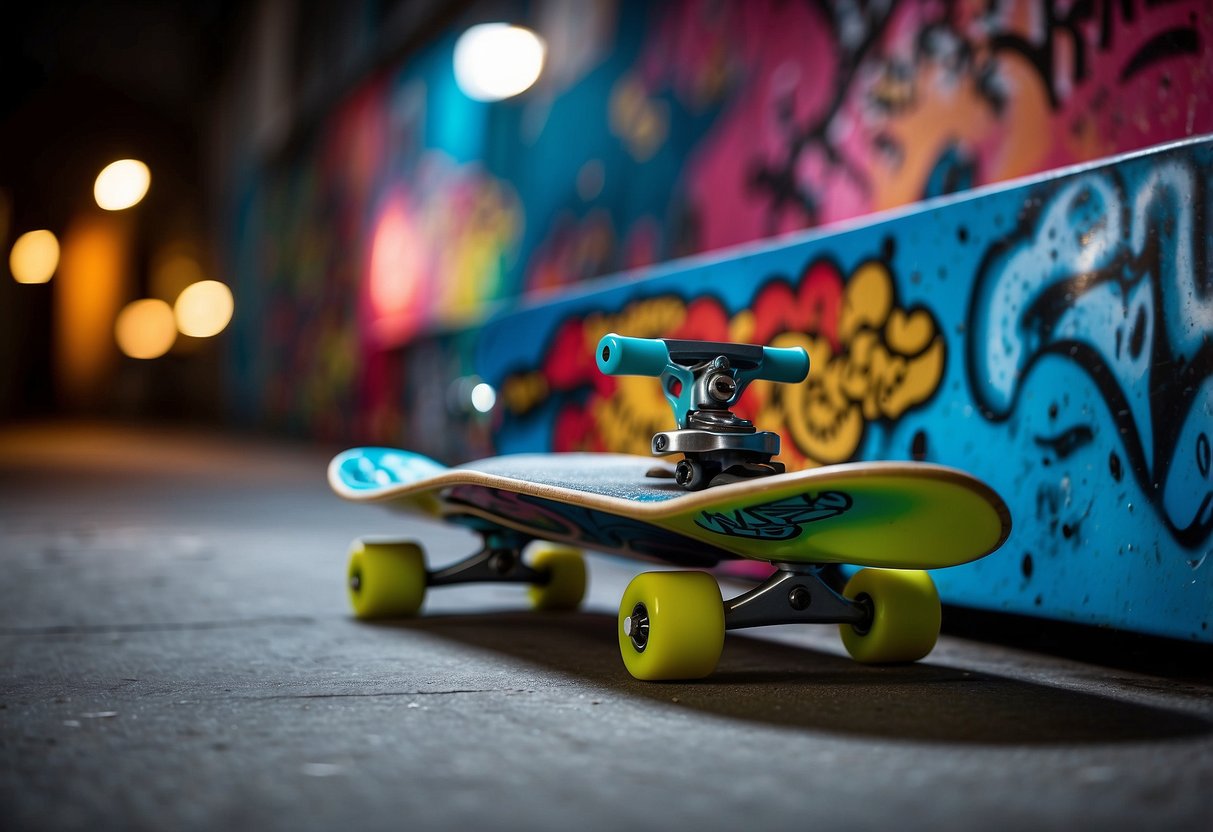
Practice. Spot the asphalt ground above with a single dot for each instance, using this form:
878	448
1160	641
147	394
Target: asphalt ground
176	652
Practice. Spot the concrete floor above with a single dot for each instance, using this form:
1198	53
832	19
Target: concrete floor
177	654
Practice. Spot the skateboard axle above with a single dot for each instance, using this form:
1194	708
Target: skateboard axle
795	594
500	561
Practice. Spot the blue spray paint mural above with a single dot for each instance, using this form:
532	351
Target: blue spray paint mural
1111	274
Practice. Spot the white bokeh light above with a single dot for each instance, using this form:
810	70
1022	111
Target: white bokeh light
483	397
122	184
497	60
204	309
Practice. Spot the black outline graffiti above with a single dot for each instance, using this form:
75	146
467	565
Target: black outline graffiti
1174	381
778	520
779	179
1161	47
941	40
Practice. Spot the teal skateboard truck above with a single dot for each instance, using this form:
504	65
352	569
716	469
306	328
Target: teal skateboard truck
702	380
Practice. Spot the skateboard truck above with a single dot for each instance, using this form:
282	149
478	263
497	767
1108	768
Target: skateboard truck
798	593
389	578
702	380
500	561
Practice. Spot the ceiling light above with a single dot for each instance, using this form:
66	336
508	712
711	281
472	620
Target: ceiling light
496	60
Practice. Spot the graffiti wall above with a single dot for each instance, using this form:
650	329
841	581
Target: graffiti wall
832	110
1054	337
409	212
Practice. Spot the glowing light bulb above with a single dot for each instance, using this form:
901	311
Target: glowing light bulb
145	328
122	184
34	257
496	60
204	309
484	397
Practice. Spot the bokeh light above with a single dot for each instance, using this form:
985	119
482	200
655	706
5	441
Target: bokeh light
204	309
484	397
496	60
92	285
122	184
34	257
145	328
397	273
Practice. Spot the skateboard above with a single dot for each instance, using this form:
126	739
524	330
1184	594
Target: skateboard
724	500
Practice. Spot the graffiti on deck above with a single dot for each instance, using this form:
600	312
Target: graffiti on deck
872	360
1114	277
780	520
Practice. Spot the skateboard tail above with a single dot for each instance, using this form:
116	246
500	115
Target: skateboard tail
364	473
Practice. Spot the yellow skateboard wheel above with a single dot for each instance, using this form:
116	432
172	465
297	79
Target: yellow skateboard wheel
671	625
566	582
386	580
905	616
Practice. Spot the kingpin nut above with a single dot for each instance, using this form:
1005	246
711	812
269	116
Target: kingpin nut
722	387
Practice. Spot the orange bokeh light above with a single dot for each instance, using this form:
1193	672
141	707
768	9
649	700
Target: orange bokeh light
93	280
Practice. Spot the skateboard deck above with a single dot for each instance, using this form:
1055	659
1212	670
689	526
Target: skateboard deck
901	515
